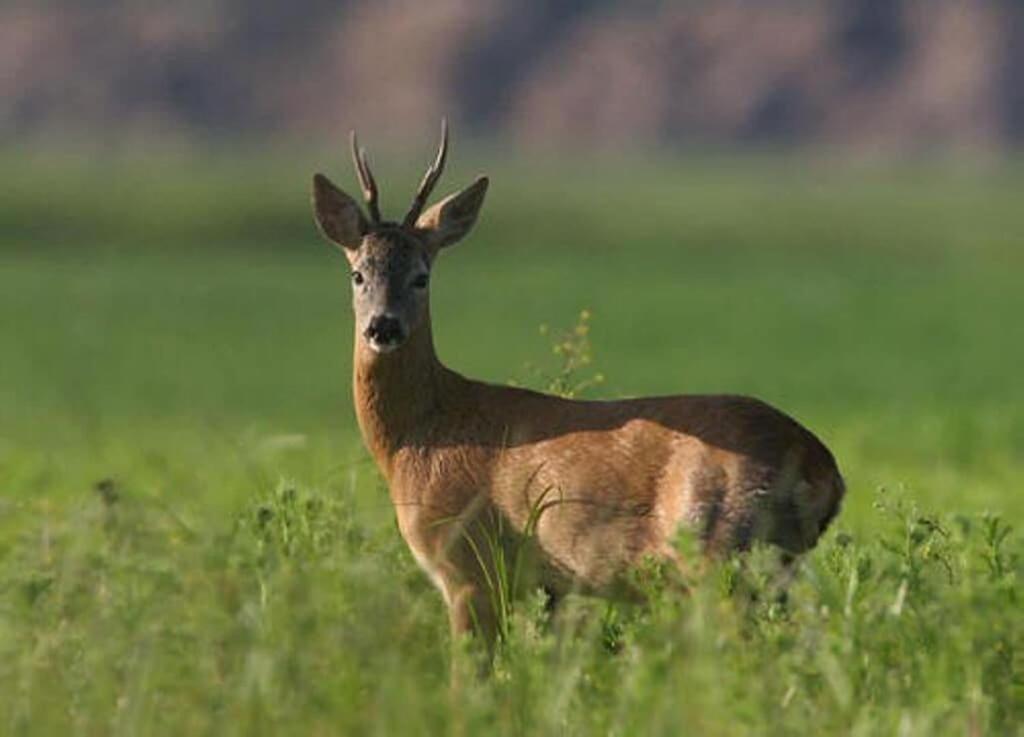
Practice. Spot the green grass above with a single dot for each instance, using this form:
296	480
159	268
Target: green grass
176	326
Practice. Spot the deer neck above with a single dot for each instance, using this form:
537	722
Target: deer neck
397	394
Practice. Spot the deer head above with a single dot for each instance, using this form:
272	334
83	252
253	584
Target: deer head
391	261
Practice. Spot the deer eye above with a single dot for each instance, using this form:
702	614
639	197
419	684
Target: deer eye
357	278
420	282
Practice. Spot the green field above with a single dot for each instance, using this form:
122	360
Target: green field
193	541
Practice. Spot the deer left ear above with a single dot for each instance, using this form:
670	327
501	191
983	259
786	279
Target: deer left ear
338	215
453	217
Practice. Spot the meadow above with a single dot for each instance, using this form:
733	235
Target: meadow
193	540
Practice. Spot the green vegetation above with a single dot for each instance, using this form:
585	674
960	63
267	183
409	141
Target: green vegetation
193	541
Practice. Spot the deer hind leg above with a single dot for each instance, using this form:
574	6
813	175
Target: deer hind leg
727	510
803	512
780	506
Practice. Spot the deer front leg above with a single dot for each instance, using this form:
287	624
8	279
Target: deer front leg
463	556
471	613
473	622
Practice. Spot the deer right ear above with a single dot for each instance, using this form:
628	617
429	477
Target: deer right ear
339	216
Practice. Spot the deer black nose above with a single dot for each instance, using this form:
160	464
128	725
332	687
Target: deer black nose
385	330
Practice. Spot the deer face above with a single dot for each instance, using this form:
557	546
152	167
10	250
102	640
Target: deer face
391	261
390	282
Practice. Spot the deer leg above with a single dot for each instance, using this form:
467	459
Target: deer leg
471	613
472	620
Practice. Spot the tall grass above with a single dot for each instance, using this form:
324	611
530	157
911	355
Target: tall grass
120	617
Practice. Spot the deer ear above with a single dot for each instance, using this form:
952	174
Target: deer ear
337	214
453	217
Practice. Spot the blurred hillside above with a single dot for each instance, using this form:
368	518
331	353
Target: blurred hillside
906	74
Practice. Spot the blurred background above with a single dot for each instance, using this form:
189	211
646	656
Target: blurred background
816	202
897	75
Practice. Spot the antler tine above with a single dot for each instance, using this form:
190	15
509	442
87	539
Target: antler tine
366	181
429	179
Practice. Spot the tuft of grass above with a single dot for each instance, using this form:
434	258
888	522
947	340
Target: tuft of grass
573	353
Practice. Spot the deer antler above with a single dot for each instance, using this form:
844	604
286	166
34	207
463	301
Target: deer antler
366	180
429	179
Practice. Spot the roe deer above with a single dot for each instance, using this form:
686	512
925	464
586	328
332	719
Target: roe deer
595	486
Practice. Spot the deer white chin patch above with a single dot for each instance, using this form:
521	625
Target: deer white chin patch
382	348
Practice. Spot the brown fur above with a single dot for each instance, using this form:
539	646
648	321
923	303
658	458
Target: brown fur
613	482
